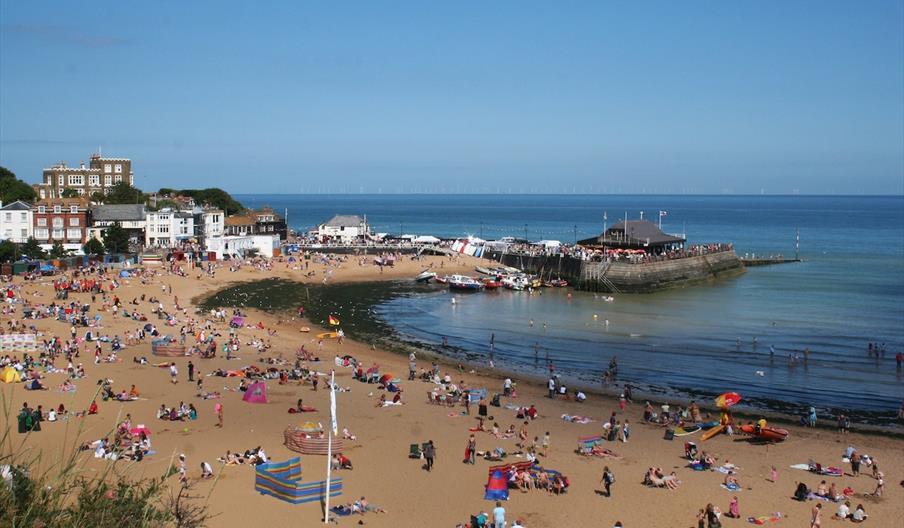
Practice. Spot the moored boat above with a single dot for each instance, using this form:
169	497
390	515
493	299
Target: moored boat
462	283
770	434
491	284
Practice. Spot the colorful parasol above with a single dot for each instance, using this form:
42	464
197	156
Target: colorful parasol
727	400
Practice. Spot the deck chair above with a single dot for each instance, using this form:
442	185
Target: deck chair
414	451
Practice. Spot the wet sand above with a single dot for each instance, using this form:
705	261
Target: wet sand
383	472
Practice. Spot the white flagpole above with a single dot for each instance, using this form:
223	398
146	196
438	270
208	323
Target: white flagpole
329	447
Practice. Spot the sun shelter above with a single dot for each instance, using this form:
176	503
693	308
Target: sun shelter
256	393
282	480
497	486
10	375
237	322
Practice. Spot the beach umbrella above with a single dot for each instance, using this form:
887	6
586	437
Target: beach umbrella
311	427
728	399
137	430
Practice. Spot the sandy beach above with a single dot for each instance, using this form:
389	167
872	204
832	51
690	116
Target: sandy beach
382	470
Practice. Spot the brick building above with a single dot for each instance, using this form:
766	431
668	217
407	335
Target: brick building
98	176
64	220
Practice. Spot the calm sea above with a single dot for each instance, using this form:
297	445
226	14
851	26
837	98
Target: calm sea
848	291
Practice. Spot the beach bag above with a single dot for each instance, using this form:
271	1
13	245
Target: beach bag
669	434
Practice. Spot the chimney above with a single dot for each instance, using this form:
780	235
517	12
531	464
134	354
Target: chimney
82	164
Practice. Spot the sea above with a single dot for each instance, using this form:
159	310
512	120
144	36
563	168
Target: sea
737	333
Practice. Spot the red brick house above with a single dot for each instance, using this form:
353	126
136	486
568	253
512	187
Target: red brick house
64	220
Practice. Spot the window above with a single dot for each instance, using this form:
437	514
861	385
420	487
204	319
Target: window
61	180
8	217
24	233
117	178
76	179
74	234
58	234
57	209
118	169
73	221
41	233
23	216
73	209
42	222
107	180
43	195
57	222
8	234
108	168
94	180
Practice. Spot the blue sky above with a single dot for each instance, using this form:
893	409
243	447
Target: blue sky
704	97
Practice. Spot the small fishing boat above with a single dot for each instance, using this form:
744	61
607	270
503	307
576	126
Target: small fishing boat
425	276
515	282
462	283
442	280
557	283
491	284
485	271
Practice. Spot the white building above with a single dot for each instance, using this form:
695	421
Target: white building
168	228
131	217
209	224
241	246
343	229
16	221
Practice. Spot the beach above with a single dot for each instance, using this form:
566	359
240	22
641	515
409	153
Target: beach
382	472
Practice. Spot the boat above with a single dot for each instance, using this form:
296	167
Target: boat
491	284
442	280
515	282
425	276
485	271
557	283
462	283
770	434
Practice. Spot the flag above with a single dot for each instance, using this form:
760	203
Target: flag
334	425
334	320
663	213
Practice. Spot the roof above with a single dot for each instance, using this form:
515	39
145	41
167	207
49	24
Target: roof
632	233
237	220
118	212
18	205
344	221
81	202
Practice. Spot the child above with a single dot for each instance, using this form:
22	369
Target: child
545	443
773	475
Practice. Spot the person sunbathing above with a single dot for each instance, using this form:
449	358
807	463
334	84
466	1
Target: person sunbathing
524	481
133	392
542	480
821	490
731	482
368	507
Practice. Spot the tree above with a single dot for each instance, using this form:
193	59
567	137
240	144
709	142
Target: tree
212	196
123	193
12	188
32	249
69	193
93	247
8	251
116	239
57	251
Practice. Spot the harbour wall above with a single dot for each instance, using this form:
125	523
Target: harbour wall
623	277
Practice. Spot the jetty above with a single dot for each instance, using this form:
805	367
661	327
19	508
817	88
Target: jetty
633	256
750	262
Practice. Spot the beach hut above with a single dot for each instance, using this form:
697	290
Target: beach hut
256	393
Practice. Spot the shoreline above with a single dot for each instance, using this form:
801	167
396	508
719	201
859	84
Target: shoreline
392	341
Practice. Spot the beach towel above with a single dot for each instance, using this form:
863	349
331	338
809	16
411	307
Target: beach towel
765	519
731	487
577	419
813	496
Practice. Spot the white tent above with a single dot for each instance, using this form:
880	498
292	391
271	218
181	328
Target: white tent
426	239
549	243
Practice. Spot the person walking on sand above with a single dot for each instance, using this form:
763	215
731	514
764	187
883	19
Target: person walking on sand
816	516
218	409
191	371
499	515
173	371
608	480
429	455
471	451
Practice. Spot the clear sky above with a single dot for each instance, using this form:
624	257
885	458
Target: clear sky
704	97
